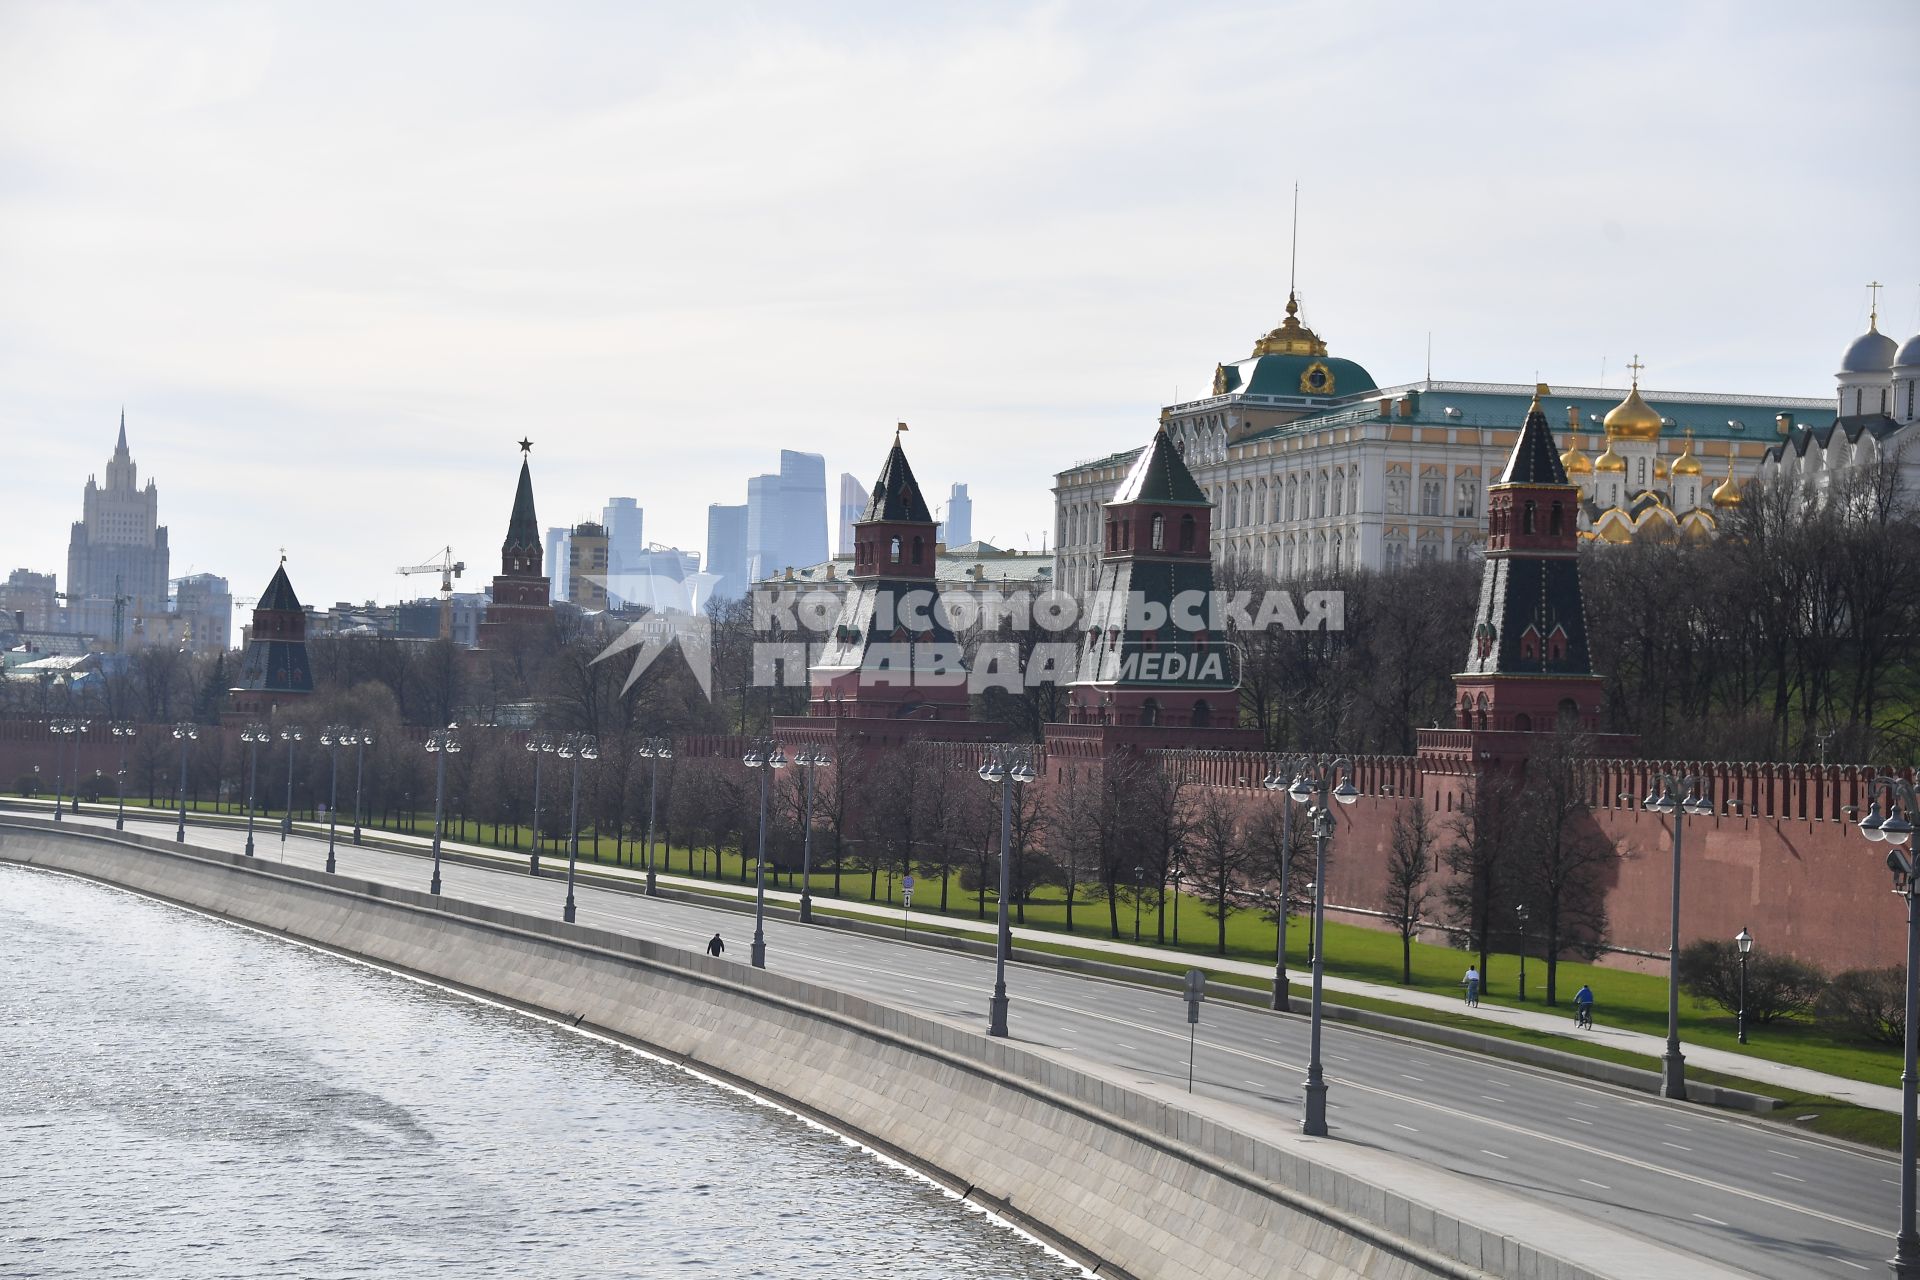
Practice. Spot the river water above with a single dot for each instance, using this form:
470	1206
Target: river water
180	1097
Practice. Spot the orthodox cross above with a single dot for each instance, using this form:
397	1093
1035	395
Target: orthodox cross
1635	365
1873	306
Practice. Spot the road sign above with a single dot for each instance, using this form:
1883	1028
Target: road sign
1196	991
906	883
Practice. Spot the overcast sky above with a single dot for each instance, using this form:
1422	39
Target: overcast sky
335	259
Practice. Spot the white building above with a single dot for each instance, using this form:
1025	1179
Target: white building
1311	465
1878	395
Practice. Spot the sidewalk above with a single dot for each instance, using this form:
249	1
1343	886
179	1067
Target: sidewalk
1758	1070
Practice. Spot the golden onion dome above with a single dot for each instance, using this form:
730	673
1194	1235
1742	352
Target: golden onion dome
1727	493
1633	418
1659	468
1574	462
1686	464
1609	461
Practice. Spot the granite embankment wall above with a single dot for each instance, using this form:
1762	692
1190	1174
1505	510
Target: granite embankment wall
1132	1184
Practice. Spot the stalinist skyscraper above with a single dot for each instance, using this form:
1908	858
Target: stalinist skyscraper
118	550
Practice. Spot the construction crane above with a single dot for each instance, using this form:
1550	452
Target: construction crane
448	568
120	602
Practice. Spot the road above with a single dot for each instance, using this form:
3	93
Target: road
1745	1193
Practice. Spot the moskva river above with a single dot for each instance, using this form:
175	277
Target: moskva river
184	1098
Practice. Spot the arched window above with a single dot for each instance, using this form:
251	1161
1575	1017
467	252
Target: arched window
1339	493
893	548
1481	708
1569	713
1466	712
1186	533
916	548
1150	711
1523	722
1353	490
1526	517
1160	531
1320	496
1553	520
1202	714
1293	491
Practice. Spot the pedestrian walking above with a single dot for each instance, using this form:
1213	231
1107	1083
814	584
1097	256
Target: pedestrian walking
1472	983
1583	1007
715	947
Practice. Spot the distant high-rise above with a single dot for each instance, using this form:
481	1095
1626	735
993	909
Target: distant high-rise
727	550
957	529
27	601
557	552
587	551
787	515
117	557
625	545
204	605
853	501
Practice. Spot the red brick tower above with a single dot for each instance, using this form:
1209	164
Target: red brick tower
521	602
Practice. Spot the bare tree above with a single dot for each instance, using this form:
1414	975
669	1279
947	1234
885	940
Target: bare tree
1217	859
1411	863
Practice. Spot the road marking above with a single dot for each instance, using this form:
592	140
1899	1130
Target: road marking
1856	1266
1590	1182
1784	1155
1676	1146
1704	1218
1495	1154
1578	1120
1490	1098
1588	1105
1789	1177
1682	1128
1253	1083
1415	1079
1409	1128
1341	1056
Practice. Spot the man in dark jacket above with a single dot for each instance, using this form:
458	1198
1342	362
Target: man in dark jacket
716	946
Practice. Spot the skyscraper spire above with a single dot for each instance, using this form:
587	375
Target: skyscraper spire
121	447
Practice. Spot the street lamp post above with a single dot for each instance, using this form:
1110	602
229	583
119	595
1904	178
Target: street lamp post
1006	769
440	744
1743	941
289	735
1896	830
334	737
575	747
1520	914
653	751
184	732
1276	781
765	756
541	745
122	730
253	735
808	762
361	741
66	731
1312	788
1673	1067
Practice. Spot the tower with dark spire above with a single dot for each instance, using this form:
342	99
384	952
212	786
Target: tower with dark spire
1529	671
522	600
1138	665
891	654
274	669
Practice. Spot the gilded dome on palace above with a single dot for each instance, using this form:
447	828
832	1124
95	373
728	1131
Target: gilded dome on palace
1610	461
1292	338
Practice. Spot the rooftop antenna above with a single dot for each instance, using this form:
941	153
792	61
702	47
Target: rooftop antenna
1429	355
1603	368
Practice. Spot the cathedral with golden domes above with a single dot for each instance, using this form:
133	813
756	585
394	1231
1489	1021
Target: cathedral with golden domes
1632	488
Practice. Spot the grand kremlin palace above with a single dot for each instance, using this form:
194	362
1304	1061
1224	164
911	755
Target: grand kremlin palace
1311	464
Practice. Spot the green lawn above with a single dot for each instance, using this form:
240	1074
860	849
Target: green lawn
1635	1001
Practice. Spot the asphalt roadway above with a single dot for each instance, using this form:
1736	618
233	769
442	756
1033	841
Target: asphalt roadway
1748	1194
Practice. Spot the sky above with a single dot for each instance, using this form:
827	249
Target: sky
335	259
